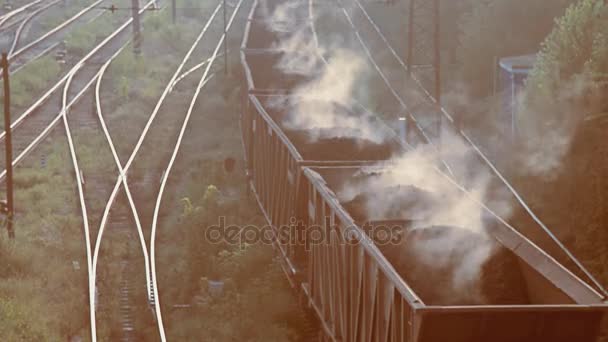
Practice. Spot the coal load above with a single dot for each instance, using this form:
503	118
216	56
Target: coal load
339	142
404	202
321	144
435	260
267	75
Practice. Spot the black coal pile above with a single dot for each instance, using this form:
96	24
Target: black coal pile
260	37
340	142
267	75
323	144
433	274
432	260
399	202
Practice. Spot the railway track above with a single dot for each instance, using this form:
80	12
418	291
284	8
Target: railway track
11	24
5	19
26	21
167	171
42	118
434	119
38	119
145	187
91	71
19	57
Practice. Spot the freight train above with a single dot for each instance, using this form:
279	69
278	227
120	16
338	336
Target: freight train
416	281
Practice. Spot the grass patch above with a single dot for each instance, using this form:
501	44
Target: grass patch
42	293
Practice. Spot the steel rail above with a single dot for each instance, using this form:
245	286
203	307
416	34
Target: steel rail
56	29
14	12
486	160
63	115
167	172
42	53
100	232
193	69
48	94
47	129
92	278
83	206
9	26
122	178
110	141
47	50
25	22
121	173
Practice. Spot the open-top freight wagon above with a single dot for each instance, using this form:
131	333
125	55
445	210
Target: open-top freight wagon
363	290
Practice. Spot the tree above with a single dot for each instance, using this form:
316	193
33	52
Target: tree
576	51
500	28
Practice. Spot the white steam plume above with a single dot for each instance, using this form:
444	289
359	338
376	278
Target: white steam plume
318	106
547	125
410	188
300	54
283	17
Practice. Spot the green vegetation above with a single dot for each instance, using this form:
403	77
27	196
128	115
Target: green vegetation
567	85
494	29
252	278
42	293
59	13
81	41
256	293
577	48
32	80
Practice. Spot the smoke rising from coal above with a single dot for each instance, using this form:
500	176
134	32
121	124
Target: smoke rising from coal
319	106
412	188
341	79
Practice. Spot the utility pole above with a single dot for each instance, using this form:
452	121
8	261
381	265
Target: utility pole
136	28
8	143
437	48
410	37
437	62
424	48
174	11
225	43
409	122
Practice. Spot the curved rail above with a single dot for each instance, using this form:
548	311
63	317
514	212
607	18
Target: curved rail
122	178
62	115
25	22
121	173
486	160
48	94
14	12
83	206
201	84
56	29
90	265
